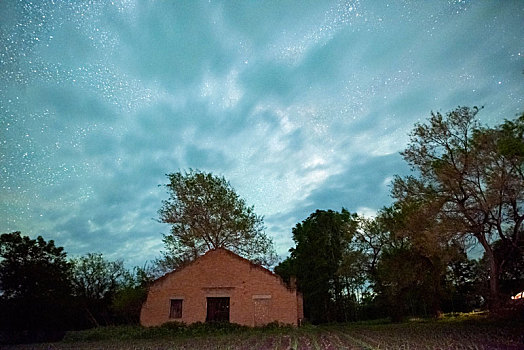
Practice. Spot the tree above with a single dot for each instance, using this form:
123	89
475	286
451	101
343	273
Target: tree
127	301
398	273
321	242
35	286
371	238
512	271
466	282
95	282
472	178
96	278
205	213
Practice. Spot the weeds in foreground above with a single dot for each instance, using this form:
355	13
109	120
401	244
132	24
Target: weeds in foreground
453	332
170	330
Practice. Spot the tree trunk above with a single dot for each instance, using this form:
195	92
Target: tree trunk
494	301
494	268
91	317
436	310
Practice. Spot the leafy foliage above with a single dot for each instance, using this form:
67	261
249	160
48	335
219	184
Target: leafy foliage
205	213
96	278
34	280
165	331
321	243
406	268
466	281
127	304
127	301
31	268
512	269
95	282
470	179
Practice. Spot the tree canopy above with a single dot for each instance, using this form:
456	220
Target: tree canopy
321	246
34	284
95	282
31	268
466	189
205	212
471	179
96	278
412	262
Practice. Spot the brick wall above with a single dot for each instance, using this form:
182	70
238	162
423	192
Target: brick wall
257	296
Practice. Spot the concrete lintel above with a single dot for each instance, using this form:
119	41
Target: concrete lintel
261	296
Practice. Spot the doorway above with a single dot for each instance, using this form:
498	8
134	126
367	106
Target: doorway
217	309
262	311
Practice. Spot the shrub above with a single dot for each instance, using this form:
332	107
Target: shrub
166	331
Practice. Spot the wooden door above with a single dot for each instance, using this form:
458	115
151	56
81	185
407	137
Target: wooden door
217	310
262	311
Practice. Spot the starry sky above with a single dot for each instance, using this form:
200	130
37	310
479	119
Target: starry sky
301	105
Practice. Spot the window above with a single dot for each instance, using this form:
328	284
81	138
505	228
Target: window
175	311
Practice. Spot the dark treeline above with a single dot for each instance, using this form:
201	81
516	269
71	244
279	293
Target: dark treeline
351	268
466	191
43	293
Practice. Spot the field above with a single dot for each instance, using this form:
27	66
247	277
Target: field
442	334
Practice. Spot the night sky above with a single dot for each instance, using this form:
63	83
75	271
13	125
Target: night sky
301	105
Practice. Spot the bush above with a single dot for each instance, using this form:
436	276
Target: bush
165	331
105	333
127	303
216	328
275	326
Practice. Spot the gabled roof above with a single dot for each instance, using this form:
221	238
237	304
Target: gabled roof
233	255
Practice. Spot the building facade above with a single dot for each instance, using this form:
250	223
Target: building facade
221	286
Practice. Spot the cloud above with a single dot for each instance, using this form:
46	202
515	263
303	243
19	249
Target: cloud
301	105
73	105
224	92
363	187
202	158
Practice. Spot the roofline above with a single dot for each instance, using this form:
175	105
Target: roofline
233	254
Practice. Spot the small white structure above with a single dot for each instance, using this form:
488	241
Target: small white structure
518	296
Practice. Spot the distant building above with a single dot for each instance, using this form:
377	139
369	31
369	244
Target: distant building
222	286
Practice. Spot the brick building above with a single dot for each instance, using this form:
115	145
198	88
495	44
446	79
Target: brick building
221	286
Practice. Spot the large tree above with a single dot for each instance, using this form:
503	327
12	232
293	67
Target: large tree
206	213
95	282
322	244
471	177
410	270
34	287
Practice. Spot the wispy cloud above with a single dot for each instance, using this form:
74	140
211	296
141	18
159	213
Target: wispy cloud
302	106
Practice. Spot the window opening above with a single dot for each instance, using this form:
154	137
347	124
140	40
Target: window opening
175	311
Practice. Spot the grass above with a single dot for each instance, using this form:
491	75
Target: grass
170	330
458	331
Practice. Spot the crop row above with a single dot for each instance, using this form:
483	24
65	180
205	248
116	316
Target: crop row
424	335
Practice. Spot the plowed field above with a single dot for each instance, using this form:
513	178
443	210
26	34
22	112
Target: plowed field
423	335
